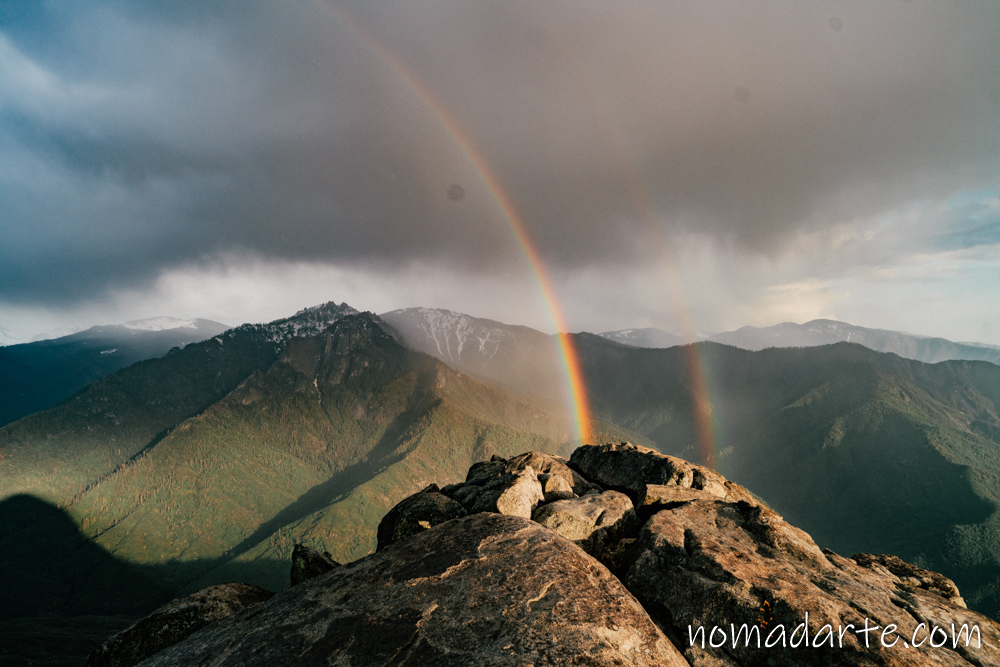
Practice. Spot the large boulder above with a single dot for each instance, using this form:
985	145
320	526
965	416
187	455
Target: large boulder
629	468
308	563
487	481
515	493
553	468
416	514
175	621
705	568
486	590
595	522
555	487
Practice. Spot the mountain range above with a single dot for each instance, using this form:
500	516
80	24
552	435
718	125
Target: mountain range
825	332
38	375
647	337
207	464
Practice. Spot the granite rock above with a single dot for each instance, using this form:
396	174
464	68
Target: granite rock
416	514
717	564
175	621
486	590
308	563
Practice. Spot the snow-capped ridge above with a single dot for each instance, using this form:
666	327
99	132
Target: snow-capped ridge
450	336
310	321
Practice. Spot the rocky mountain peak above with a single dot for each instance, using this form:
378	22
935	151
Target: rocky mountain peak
618	555
307	322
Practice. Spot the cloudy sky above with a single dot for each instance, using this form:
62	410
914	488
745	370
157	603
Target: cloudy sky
686	165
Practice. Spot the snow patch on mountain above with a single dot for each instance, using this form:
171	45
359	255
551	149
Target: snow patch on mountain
451	336
448	326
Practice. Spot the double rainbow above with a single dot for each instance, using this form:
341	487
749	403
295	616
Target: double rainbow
575	386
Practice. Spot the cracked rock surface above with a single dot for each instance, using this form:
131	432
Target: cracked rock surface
711	563
487	589
174	621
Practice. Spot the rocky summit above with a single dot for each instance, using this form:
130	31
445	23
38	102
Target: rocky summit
618	555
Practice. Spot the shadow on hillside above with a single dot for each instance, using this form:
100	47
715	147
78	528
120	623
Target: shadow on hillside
64	594
51	568
384	454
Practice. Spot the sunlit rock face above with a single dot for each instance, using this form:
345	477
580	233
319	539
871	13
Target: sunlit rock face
632	558
486	589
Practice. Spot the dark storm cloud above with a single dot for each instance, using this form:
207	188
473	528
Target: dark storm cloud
136	137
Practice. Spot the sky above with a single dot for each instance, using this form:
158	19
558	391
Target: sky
597	165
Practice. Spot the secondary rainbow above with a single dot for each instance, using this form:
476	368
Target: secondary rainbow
703	414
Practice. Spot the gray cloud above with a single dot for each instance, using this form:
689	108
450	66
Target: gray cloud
135	138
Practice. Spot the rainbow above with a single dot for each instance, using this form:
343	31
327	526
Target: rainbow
569	357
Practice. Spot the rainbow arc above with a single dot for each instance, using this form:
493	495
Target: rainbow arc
569	357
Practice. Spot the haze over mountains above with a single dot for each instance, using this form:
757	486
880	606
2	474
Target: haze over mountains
518	357
647	337
208	463
823	332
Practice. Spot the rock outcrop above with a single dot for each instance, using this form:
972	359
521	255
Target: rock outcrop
416	514
711	567
629	557
485	590
175	621
596	522
630	468
308	563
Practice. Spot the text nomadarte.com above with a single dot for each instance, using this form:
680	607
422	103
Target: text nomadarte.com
752	636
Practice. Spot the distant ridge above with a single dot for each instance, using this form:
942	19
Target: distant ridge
824	332
647	337
164	323
38	375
